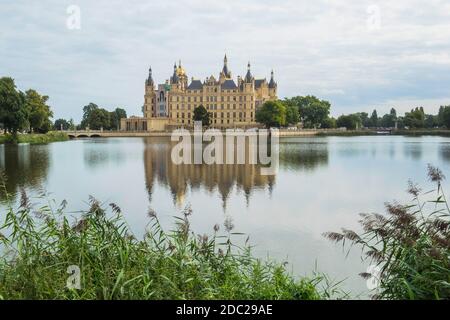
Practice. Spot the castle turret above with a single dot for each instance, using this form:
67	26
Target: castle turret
272	86
149	97
225	74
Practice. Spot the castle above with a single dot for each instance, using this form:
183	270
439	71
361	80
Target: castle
171	105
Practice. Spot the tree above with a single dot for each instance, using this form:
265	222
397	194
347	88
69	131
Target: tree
365	120
61	124
351	121
39	112
313	111
444	114
87	110
201	114
415	118
13	110
431	121
115	117
329	123
292	115
374	119
99	119
272	114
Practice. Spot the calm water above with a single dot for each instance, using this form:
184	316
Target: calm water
322	185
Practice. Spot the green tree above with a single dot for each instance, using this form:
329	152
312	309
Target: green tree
272	114
115	117
87	110
39	113
329	123
365	120
13	110
374	121
292	115
99	119
313	111
431	121
444	114
201	114
350	121
61	124
415	118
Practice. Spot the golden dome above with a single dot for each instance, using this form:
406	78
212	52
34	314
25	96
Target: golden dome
180	70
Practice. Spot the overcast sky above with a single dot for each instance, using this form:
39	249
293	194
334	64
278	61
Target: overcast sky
359	55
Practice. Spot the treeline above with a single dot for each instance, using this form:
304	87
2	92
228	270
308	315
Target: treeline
415	119
28	112
312	112
308	110
96	118
23	111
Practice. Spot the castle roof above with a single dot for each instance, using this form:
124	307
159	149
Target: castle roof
195	85
272	83
259	82
248	77
229	84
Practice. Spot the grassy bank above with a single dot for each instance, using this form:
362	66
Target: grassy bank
34	138
347	133
422	132
40	244
400	132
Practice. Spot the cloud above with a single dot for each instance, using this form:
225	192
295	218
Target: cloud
315	47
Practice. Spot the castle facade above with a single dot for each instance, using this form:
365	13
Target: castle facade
230	104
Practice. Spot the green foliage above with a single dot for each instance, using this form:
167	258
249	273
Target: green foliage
115	265
329	123
374	120
415	119
292	115
97	118
389	119
13	111
62	124
34	138
351	121
115	117
271	114
444	116
39	112
410	245
313	111
201	114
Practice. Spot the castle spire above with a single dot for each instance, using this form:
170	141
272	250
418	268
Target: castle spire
150	78
174	78
225	71
272	83
248	76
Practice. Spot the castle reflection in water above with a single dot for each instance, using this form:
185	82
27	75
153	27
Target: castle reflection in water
246	178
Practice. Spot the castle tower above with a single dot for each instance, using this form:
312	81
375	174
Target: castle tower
249	81
225	73
272	87
149	96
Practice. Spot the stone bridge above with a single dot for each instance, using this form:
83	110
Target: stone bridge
105	133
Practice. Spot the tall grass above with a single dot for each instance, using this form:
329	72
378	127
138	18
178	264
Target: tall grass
38	244
34	138
410	245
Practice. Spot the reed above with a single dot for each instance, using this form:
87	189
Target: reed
38	244
410	244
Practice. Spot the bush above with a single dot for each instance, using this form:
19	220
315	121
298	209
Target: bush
410	246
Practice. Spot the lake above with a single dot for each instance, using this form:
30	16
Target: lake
322	184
